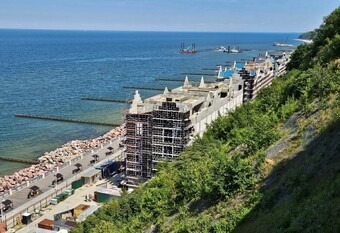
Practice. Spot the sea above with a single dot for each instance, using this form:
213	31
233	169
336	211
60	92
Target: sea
47	72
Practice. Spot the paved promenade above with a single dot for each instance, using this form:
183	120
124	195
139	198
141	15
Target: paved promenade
22	203
69	203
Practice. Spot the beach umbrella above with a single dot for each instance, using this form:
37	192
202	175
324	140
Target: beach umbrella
7	203
95	156
110	148
34	188
78	165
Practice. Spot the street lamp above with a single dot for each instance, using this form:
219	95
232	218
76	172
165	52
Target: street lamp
2	211
55	179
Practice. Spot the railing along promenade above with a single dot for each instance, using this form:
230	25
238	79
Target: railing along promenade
40	202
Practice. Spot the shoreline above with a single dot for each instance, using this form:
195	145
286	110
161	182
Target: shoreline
305	40
53	159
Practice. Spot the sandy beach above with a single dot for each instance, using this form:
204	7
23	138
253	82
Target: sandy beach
305	41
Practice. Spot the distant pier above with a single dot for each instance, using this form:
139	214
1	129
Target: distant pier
65	120
145	88
105	100
18	160
204	74
177	80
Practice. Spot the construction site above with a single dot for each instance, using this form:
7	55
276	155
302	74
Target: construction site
160	127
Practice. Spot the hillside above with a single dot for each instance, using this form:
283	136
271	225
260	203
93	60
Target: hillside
272	165
307	35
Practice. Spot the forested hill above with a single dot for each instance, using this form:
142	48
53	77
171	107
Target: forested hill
272	165
307	35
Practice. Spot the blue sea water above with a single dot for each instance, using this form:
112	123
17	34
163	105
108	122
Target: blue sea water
46	73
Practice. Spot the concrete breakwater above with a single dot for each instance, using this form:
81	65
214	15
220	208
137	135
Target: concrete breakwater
65	120
144	88
50	160
105	100
19	160
178	80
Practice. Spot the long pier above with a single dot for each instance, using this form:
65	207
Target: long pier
145	88
215	69
65	120
178	80
18	160
206	74
105	100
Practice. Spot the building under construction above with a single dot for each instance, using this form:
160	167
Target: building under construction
161	126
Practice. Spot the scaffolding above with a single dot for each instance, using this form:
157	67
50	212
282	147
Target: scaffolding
171	131
153	136
138	144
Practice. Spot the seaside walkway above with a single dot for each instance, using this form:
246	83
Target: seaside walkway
19	198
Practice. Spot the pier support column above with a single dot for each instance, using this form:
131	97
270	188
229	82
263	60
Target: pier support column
10	191
43	175
28	183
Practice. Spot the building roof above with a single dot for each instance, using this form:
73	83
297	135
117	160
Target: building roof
114	191
239	65
46	222
91	173
227	73
68	224
82	216
81	207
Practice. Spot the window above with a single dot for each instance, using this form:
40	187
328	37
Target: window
139	129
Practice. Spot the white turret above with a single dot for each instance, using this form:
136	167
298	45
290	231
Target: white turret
231	81
202	84
186	82
134	105
207	100
166	91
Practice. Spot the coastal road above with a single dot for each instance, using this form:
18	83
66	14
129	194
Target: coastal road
69	203
20	200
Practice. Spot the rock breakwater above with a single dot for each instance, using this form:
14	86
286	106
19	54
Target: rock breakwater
50	160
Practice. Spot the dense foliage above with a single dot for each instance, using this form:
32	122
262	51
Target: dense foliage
214	186
307	35
325	46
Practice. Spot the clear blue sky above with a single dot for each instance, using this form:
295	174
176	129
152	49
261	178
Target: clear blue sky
167	15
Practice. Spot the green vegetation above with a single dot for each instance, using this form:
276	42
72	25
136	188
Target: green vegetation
227	181
325	46
307	35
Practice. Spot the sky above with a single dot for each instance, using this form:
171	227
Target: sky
167	15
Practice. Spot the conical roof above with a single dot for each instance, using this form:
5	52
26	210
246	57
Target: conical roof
186	82
202	84
166	90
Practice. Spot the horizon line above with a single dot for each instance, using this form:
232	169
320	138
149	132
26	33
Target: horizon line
113	30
